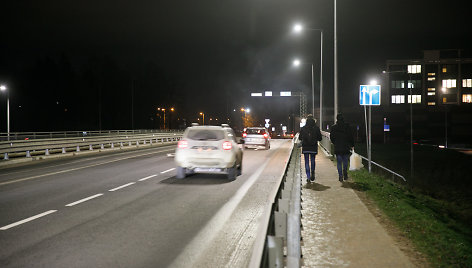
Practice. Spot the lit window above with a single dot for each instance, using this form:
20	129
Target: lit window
431	78
398	99
414	69
431	74
416	99
431	103
431	89
444	69
431	93
466	82
449	83
467	98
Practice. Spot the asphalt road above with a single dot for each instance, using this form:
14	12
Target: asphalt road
127	209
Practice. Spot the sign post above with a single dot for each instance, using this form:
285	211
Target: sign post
369	95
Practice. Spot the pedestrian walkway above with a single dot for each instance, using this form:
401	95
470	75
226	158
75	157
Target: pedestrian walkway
338	229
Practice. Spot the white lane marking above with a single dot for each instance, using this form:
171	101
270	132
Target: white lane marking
165	171
78	168
27	220
83	200
122	186
148	177
193	250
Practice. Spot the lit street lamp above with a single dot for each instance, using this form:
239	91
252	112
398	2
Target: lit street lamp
297	63
297	29
203	119
4	88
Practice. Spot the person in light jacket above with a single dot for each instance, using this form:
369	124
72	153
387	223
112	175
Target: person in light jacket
310	135
343	139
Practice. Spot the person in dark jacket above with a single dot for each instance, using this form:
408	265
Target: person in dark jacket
343	139
310	135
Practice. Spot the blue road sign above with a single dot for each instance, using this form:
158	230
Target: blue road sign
369	95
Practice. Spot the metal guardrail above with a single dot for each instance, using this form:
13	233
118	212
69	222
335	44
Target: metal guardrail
283	220
70	134
26	148
329	147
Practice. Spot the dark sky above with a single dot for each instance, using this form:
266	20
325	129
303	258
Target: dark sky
205	55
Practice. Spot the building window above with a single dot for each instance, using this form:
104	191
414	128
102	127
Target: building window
431	103
431	93
466	82
449	83
398	99
431	78
431	74
416	99
414	69
444	69
414	83
398	84
431	89
467	98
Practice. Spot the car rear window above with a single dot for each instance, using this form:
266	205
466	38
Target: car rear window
205	135
255	131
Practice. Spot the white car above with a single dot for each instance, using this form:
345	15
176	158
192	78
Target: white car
256	137
209	149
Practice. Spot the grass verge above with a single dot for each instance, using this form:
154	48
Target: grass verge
446	241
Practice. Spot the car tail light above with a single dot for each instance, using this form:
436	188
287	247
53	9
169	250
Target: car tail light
291	135
266	135
227	145
183	144
244	135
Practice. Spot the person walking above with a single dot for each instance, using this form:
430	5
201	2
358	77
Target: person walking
310	135
343	139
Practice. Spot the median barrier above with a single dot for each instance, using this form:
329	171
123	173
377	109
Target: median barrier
61	146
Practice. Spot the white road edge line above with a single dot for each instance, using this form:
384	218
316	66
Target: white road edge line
148	177
83	200
165	171
27	220
122	186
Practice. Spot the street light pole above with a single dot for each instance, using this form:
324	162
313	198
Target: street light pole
298	28
335	65
4	88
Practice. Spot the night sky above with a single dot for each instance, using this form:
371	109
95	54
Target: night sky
73	65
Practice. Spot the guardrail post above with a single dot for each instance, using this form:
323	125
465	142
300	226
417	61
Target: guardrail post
28	154
5	156
144	142
150	141
102	147
46	152
276	254
90	147
63	150
78	148
121	144
112	145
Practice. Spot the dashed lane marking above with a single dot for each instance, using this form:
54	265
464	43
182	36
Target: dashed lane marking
122	186
148	177
165	171
27	220
83	200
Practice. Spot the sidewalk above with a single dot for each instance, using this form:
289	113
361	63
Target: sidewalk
338	229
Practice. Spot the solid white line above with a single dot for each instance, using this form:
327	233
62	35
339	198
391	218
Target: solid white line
83	200
165	171
122	186
148	177
27	220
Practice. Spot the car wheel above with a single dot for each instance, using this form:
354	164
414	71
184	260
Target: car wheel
267	146
232	174
180	173
240	169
